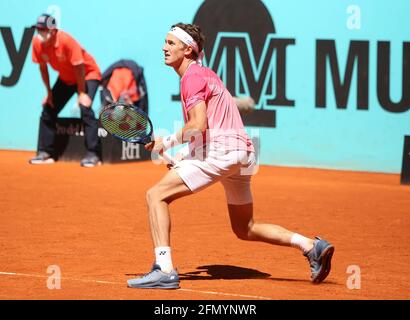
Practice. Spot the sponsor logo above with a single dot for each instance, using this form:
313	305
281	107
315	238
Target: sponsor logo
130	151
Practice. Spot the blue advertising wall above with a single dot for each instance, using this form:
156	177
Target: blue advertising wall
331	78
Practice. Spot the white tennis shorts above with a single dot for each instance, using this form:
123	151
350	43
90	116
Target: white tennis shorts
233	169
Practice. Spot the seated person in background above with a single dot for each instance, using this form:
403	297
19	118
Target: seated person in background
124	81
122	86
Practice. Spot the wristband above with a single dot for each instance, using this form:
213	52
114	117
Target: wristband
170	141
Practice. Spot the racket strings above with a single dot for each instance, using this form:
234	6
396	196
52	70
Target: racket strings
125	122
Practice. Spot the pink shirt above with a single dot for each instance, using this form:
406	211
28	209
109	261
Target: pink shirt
225	126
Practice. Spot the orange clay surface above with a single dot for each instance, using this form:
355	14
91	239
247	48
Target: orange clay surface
92	224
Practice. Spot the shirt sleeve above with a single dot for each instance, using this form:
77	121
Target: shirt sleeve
194	90
74	51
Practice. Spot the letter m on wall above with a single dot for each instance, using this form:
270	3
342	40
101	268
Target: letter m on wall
358	55
263	78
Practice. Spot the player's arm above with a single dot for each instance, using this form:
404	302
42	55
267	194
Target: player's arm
194	128
45	76
194	89
79	71
197	123
83	98
75	56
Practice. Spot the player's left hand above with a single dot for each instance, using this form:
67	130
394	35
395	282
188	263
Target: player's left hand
84	100
155	146
158	146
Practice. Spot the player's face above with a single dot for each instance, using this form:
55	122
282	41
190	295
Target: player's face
45	36
174	50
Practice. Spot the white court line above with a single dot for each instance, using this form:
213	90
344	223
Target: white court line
122	283
227	294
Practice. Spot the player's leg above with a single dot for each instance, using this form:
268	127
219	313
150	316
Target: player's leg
163	274
92	141
245	228
61	94
168	189
240	205
318	252
186	177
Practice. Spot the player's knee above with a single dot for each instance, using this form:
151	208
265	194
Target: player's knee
47	115
87	113
242	233
150	196
153	195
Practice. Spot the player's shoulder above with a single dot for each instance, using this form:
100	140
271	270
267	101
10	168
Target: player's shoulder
196	68
65	38
63	35
196	71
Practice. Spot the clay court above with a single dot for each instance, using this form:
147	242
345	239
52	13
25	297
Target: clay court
92	224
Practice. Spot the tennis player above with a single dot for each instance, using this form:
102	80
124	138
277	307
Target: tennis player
219	151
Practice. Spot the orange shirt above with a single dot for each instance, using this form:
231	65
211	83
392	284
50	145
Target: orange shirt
65	54
122	84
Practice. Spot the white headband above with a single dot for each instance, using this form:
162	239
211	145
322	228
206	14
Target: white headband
188	40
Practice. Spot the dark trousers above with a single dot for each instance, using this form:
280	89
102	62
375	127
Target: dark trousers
62	92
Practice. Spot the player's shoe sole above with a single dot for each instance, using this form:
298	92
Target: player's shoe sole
154	285
91	165
47	161
156	279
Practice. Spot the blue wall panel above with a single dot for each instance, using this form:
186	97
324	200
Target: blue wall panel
304	134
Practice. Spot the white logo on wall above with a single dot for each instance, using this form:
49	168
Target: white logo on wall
55	11
354	21
130	151
71	130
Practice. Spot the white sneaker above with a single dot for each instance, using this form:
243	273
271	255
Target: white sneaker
90	160
42	157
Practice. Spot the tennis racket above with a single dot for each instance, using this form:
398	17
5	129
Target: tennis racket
129	123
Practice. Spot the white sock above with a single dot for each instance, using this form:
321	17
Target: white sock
301	242
163	258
